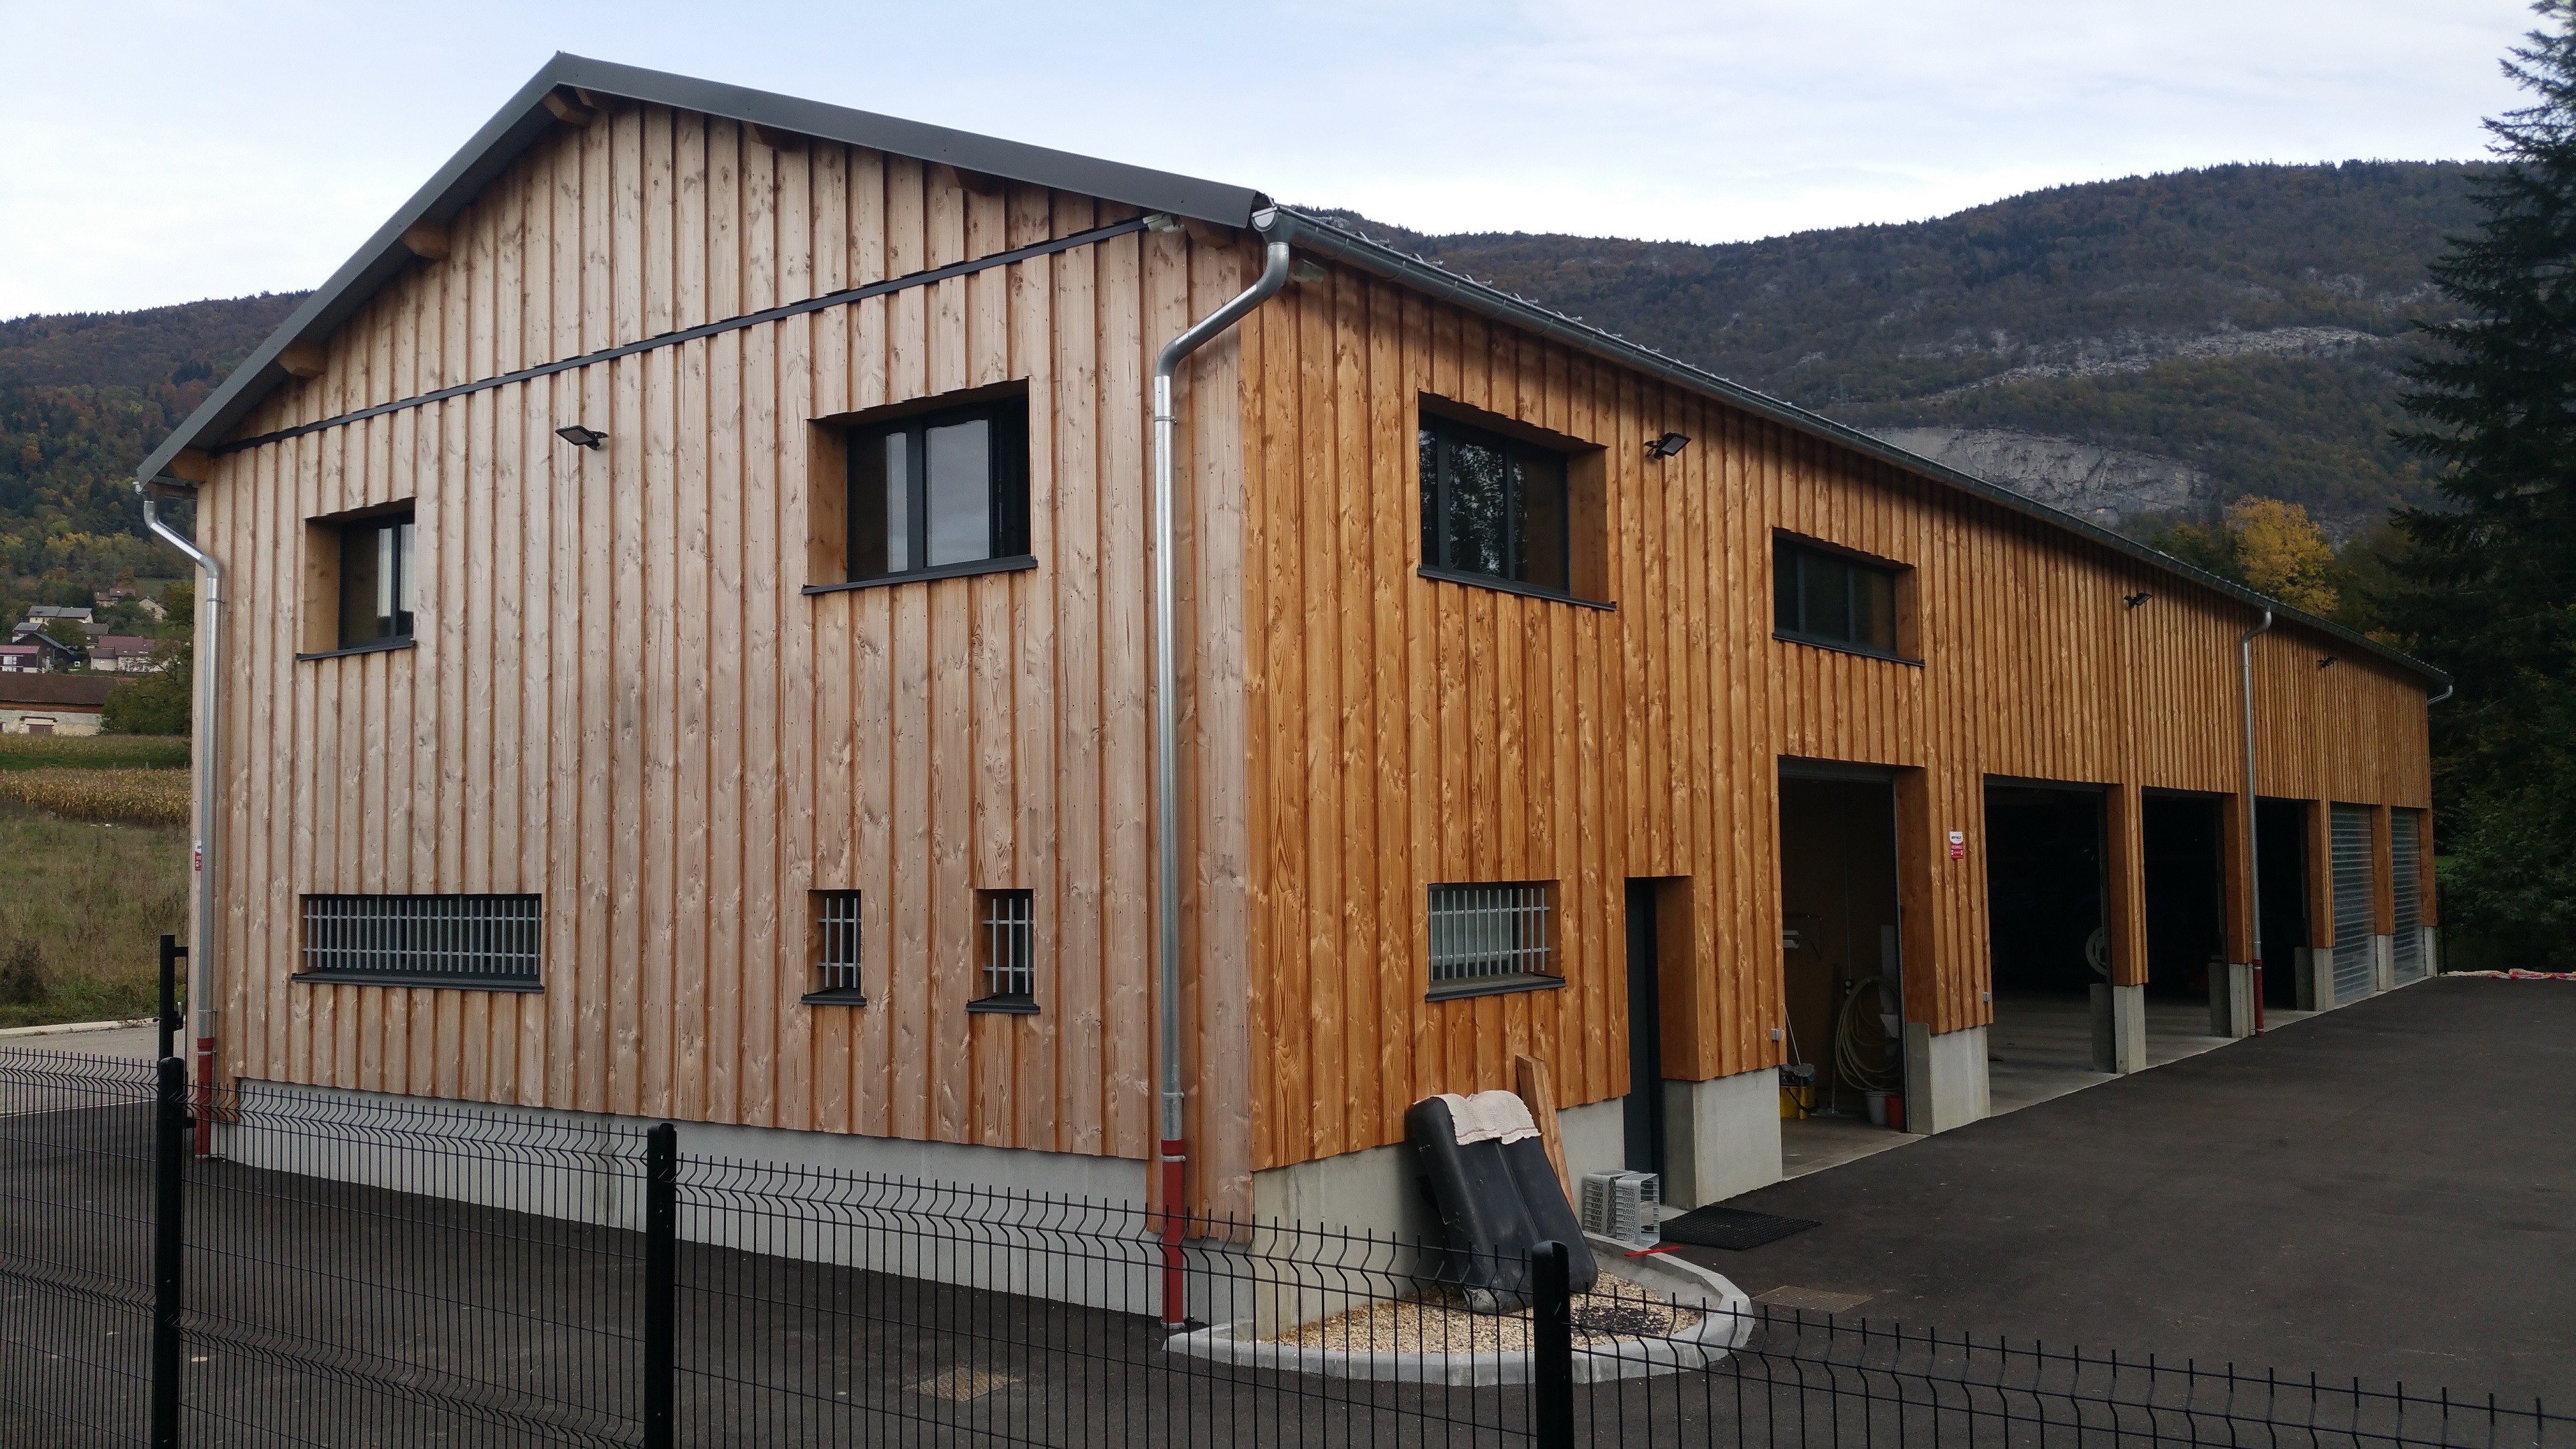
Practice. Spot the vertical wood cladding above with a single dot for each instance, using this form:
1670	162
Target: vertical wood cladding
1406	731
621	699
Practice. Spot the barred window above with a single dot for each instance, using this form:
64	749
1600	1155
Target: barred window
490	942
1491	937
1006	950
835	916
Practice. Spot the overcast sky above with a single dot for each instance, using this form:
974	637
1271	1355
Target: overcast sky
156	153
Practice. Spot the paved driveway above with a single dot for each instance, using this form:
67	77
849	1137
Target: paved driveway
2386	1190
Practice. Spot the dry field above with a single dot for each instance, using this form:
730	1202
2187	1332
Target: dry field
93	869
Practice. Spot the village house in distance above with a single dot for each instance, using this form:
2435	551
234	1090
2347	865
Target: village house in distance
689	624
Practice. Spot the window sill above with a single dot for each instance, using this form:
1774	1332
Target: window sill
1842	648
1493	986
838	996
372	646
1012	563
1006	1005
1508	586
414	982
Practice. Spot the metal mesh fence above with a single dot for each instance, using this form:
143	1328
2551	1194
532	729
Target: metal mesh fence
372	1271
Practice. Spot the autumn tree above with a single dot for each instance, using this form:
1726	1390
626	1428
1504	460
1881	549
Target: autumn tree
2283	553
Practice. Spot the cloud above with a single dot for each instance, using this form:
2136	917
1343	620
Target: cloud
167	151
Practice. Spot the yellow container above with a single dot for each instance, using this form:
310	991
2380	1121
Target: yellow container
1796	1102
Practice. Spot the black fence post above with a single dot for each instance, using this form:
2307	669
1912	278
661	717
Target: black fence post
661	1278
169	1161
1551	1349
172	953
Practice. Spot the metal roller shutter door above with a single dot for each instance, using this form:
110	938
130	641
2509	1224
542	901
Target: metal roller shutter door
2406	889
2354	971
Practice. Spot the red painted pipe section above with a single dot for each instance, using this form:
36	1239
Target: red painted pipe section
1175	1283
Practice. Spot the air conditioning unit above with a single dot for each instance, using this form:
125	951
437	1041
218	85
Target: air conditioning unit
1623	1207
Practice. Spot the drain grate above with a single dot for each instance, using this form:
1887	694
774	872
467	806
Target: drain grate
1734	1229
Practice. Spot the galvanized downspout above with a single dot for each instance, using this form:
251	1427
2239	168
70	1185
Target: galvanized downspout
2253	856
209	747
1167	730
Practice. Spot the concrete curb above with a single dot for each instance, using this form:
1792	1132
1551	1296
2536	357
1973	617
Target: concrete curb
1726	1324
61	1028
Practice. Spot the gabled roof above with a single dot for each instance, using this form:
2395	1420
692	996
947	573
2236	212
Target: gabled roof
527	116
84	692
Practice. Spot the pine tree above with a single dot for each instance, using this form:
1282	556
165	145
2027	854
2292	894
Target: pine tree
2489	589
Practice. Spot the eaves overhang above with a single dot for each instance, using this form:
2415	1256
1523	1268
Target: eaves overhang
1327	238
525	117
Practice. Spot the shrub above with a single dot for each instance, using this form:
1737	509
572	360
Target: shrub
22	974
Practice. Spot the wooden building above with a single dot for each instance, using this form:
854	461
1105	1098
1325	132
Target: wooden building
689	620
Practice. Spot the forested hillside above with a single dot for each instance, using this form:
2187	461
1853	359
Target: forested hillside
2161	345
2243	324
82	398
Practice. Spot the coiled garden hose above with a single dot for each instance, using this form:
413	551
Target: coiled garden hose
1849	1065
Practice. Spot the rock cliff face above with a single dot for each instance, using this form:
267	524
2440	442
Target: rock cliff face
2098	484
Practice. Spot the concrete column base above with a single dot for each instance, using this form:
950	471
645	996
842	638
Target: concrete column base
2119	1028
2231	1000
2383	962
1721	1137
2432	950
1945	1078
2316	978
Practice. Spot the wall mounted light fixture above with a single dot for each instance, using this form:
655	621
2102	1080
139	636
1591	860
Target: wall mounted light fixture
581	437
1668	445
2140	597
2327	660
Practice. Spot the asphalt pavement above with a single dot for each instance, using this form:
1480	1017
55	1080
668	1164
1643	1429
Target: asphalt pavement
2386	1190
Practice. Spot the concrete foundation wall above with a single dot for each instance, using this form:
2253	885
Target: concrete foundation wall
1721	1137
1945	1078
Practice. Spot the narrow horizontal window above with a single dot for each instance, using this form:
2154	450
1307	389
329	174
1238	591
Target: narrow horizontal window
836	947
1489	935
1819	596
1006	950
935	491
471	941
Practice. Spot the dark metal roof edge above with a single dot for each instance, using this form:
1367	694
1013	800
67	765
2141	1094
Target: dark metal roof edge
523	117
1377	257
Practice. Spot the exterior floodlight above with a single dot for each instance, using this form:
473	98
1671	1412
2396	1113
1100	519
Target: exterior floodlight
581	437
1668	445
2140	597
2326	662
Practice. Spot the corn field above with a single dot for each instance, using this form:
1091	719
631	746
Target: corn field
132	797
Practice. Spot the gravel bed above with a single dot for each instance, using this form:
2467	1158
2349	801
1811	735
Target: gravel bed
1440	1323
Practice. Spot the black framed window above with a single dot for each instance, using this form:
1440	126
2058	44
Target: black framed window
939	492
1494	506
1819	596
375	579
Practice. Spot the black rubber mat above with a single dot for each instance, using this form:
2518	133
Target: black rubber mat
1731	1228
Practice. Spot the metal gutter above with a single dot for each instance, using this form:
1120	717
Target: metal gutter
1167	744
525	117
1316	234
209	667
2253	852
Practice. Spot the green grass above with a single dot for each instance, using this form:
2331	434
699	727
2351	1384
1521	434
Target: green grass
93	752
94	901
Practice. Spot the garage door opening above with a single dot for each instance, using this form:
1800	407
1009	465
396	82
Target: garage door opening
1841	980
2281	869
2044	926
2186	898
